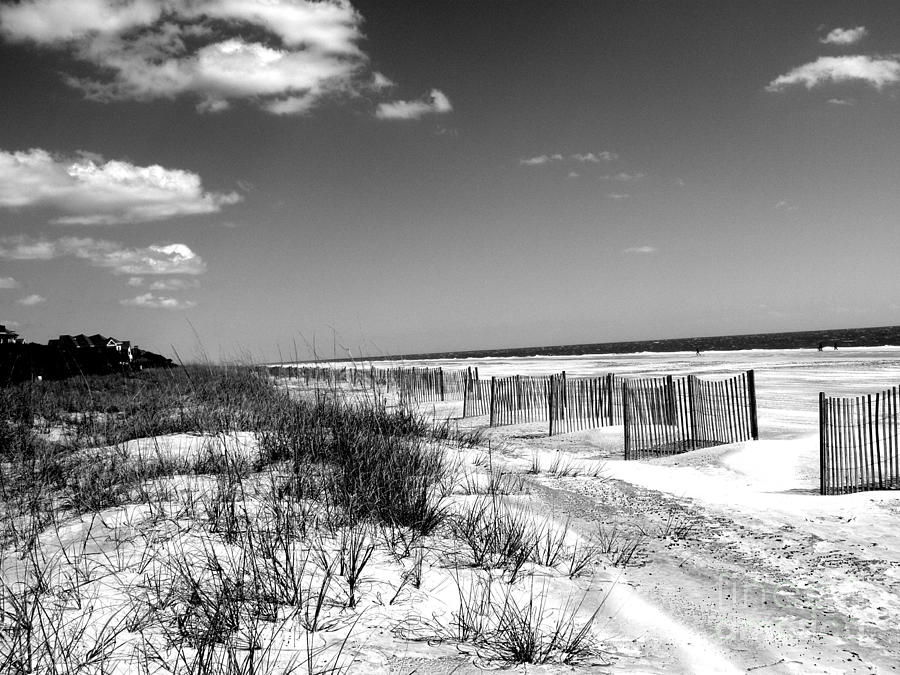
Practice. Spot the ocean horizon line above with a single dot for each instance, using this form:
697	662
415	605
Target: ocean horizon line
846	338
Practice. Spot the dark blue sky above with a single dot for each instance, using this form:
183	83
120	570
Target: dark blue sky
535	173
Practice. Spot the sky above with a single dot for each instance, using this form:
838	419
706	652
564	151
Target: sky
255	178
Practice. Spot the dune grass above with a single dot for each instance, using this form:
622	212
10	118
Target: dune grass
116	550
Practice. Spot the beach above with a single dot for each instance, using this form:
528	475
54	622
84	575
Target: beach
772	576
240	531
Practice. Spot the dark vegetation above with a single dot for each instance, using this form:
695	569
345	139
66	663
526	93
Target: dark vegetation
28	361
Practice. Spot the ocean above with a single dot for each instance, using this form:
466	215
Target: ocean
842	337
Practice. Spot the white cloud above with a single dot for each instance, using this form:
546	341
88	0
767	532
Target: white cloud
150	301
584	158
32	300
841	101
445	131
640	250
540	160
8	282
623	176
844	36
52	21
876	72
173	284
594	158
783	205
9	324
93	192
618	195
435	103
285	56
120	259
574	174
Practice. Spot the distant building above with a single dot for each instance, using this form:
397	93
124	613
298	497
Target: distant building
9	337
95	344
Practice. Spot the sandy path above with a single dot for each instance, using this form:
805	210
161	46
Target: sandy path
769	591
772	577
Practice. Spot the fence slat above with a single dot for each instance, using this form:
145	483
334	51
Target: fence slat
667	415
858	442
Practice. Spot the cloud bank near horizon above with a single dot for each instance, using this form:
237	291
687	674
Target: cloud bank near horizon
32	300
157	259
151	301
580	157
91	191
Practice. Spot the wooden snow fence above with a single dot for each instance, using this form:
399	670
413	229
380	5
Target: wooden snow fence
517	399
858	443
316	374
421	385
426	385
328	375
583	403
667	415
476	394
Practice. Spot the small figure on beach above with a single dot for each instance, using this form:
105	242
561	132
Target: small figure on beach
821	346
835	346
698	351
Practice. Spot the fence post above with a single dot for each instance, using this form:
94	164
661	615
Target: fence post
491	409
626	419
466	390
823	425
692	407
611	395
670	401
441	375
751	391
550	404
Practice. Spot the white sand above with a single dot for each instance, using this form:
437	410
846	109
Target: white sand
766	575
778	576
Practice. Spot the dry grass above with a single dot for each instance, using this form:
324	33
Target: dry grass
116	554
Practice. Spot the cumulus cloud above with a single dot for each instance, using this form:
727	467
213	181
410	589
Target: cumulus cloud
623	176
875	71
640	250
618	195
285	56
435	103
584	158
8	282
844	36
150	301
594	158
90	191
32	300
157	259
540	160
173	284
783	205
